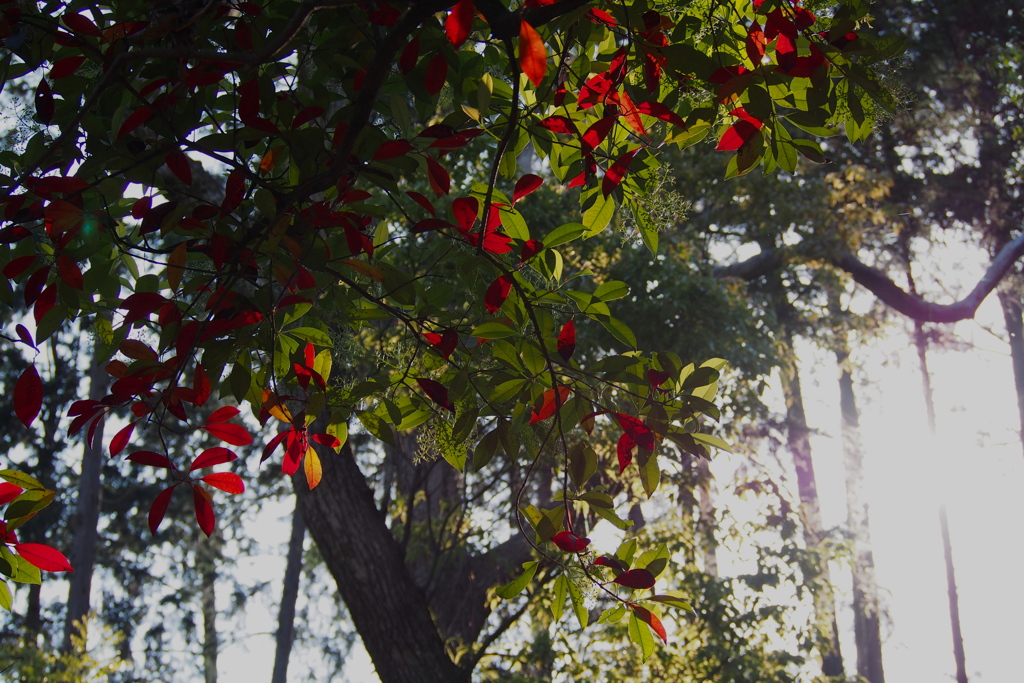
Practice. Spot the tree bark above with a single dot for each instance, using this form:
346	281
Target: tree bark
866	616
289	595
208	559
799	444
87	515
1015	329
389	611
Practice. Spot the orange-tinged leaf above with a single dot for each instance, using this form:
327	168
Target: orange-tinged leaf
270	159
273	405
651	619
28	395
176	265
313	468
549	403
43	557
533	58
225	481
364	268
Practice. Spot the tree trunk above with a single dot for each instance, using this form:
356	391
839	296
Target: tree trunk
208	560
866	617
289	595
389	611
810	512
85	533
947	547
1015	329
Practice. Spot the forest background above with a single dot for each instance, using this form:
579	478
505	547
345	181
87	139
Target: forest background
752	269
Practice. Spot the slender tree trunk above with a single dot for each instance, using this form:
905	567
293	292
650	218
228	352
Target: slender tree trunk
947	547
208	559
1011	306
706	520
866	616
810	512
289	595
85	533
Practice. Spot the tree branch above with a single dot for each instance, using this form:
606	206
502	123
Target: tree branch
882	286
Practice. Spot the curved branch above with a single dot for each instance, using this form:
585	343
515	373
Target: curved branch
913	306
882	286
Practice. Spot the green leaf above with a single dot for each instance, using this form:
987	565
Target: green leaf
650	475
310	334
640	635
711	440
618	329
518	584
493	330
582	464
579	606
564	233
674	599
21	479
558	605
598	213
5	596
376	426
609	291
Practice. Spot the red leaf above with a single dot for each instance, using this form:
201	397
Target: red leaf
496	293
43	557
638	579
531	248
234	190
217	455
421	200
392	149
159	508
222	414
328	440
596	134
44	103
549	403
411	53
755	44
569	542
465	211
736	136
436	73
121	439
614	176
201	385
651	619
445	343
533	59
637	430
440	183
525	185
79	24
225	481
596	90
659	111
9	492
204	508
437	392
459	22
295	450
28	395
657	378
178	163
234	434
560	124
70	272
152	459
18	265
624	451
133	121
599	16
47	299
567	340
65	67
268	450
